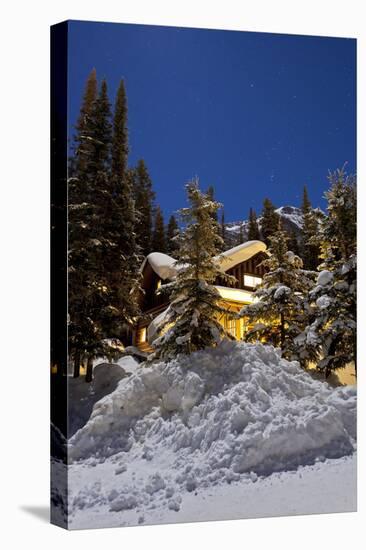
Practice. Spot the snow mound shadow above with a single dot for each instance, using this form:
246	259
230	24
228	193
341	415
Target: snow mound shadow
82	396
219	413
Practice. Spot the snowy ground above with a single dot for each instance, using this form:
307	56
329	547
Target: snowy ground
325	487
229	432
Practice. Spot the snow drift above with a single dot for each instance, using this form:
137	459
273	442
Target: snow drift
219	413
82	397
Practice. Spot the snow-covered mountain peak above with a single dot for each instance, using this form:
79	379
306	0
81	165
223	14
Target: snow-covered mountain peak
291	213
291	217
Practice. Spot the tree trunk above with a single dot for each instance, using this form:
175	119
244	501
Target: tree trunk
89	369
331	351
77	364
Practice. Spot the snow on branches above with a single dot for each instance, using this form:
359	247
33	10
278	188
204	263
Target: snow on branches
277	313
191	322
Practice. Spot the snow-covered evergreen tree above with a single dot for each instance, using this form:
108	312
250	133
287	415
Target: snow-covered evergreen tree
222	246
241	237
144	200
194	302
276	315
330	335
211	195
253	229
103	264
158	236
119	222
269	221
172	233
293	243
89	298
309	243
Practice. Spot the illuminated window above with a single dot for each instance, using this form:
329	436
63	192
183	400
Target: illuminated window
252	281
231	327
142	335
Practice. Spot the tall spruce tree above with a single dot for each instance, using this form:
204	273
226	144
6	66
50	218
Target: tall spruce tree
241	237
82	147
253	229
158	238
330	335
100	160
293	243
309	248
122	263
223	244
277	312
120	134
82	330
144	201
88	185
172	234
194	301
211	195
269	221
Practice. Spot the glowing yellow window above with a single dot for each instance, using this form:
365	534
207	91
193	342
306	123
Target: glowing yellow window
252	281
142	335
231	327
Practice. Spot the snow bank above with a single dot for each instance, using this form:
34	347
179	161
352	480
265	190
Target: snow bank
82	396
131	364
327	486
220	413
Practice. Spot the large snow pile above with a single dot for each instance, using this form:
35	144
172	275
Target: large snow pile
209	427
82	396
219	413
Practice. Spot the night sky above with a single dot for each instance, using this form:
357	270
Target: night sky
252	114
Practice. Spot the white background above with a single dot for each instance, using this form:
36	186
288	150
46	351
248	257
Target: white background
24	273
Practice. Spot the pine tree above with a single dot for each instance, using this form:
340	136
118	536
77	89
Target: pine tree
276	315
211	195
194	301
269	222
241	237
223	244
309	247
330	335
88	291
253	230
144	199
100	160
306	204
120	134
158	238
122	263
293	243
103	264
82	145
172	234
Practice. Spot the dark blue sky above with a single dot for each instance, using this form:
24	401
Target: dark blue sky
252	114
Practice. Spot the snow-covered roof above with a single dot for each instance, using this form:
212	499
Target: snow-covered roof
165	266
162	264
235	294
240	253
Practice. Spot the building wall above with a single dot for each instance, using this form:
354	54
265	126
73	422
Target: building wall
253	266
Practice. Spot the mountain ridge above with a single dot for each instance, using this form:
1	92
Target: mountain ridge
291	217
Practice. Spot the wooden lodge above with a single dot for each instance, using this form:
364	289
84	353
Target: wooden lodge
243	262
